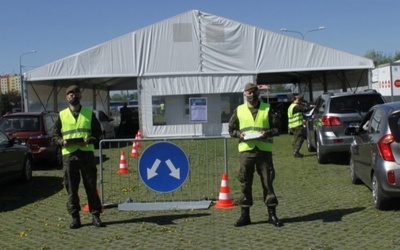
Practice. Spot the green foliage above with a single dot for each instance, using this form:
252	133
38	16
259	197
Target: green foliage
380	57
124	96
5	104
280	88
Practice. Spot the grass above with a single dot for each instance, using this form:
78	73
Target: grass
319	206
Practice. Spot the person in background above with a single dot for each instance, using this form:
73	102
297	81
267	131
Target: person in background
126	124
162	108
254	124
295	117
76	130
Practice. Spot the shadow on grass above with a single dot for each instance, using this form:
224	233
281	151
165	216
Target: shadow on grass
333	215
339	159
160	219
14	195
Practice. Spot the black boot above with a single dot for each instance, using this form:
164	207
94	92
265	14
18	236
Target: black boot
298	155
244	218
76	221
96	221
272	217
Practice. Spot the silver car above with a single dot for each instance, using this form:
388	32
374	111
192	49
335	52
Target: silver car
334	112
106	123
375	153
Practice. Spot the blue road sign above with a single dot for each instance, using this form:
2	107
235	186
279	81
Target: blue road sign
163	167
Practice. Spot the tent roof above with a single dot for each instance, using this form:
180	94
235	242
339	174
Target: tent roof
195	43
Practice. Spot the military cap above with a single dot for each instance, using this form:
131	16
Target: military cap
73	89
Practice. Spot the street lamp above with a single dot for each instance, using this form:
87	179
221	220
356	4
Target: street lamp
22	77
303	35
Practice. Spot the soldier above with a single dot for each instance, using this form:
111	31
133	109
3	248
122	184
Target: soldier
254	124
295	116
76	130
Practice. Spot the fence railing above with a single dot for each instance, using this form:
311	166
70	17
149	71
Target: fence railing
131	190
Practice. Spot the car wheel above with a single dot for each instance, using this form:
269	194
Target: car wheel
27	170
380	200
353	176
322	158
310	147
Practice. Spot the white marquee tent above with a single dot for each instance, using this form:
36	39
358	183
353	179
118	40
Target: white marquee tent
192	54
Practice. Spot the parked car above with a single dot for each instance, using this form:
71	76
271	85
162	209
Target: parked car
375	153
107	125
15	160
35	130
334	112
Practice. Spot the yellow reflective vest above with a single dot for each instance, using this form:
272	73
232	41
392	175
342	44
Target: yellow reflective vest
76	128
249	125
296	119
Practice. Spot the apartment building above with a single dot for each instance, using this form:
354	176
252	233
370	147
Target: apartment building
9	83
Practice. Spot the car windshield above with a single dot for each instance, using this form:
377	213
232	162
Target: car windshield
27	123
353	103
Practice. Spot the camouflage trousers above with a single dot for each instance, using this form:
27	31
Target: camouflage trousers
299	135
76	165
261	162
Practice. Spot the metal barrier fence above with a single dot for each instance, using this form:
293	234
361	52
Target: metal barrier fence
130	190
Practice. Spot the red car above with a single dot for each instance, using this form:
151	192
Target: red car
34	130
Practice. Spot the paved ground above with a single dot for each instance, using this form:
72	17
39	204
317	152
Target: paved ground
321	209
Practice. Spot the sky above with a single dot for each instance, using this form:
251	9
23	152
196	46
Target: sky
56	29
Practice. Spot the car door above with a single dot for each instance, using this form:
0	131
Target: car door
106	125
9	159
359	140
366	152
314	121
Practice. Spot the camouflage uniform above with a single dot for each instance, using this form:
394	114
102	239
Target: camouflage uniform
299	132
77	164
256	160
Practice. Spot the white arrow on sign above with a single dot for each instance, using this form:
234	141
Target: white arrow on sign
151	172
174	171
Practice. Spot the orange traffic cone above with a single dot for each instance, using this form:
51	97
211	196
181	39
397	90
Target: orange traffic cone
136	142
224	200
139	134
86	208
123	165
134	152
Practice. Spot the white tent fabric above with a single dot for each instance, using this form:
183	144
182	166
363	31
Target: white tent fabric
195	43
194	53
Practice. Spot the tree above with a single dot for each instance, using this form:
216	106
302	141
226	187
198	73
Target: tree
380	57
124	96
279	88
5	105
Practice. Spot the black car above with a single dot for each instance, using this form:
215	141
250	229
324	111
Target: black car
15	160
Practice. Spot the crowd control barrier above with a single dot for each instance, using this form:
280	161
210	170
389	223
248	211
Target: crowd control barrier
161	173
